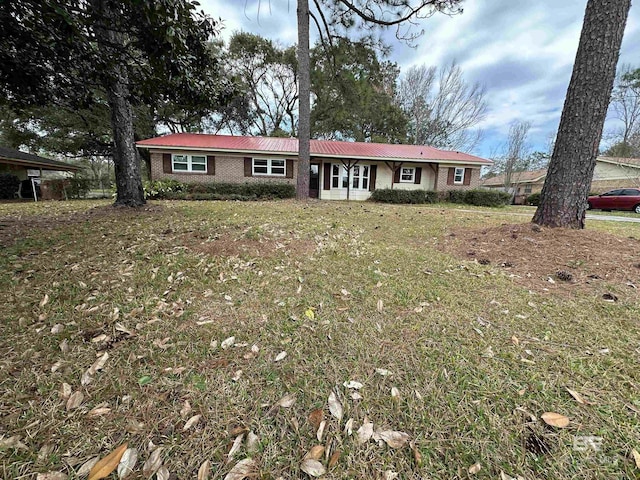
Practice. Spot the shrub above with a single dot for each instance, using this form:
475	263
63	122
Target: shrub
457	196
9	185
224	191
162	188
388	195
533	199
78	187
487	198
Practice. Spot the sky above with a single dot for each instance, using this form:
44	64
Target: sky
522	51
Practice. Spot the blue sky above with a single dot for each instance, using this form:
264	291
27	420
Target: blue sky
521	50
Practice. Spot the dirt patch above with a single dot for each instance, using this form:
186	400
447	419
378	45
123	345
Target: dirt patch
13	229
226	245
553	259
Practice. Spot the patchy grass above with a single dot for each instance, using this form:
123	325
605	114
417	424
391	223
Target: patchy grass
342	288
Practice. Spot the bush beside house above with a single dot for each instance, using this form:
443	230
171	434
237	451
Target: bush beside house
479	197
174	190
9	185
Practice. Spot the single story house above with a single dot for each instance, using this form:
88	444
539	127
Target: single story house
609	173
339	170
26	166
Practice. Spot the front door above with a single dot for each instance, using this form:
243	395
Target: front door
314	180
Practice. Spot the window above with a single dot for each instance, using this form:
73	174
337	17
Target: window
189	163
268	166
407	175
631	192
527	189
458	176
359	177
612	193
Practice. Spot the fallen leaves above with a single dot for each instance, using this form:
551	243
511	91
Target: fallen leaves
335	406
153	463
75	400
229	342
555	419
393	438
365	432
313	468
285	402
281	356
475	468
204	470
578	398
127	463
636	457
191	422
241	470
108	464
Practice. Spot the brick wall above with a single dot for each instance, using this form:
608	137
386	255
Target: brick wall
441	182
229	169
601	186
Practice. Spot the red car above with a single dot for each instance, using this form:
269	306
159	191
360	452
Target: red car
619	199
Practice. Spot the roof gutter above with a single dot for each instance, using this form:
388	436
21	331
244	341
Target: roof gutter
43	166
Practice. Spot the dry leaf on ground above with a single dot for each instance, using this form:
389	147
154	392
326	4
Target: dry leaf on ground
108	464
334	458
86	467
320	431
241	470
365	432
636	457
52	476
335	407
577	397
204	470
235	447
75	400
312	468
353	384
315	417
417	456
394	439
555	419
127	463
163	473
315	453
475	468
191	422
153	463
281	356
228	343
252	442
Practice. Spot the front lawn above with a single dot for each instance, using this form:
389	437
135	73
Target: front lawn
200	328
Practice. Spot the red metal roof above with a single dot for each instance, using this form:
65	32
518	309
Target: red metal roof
319	148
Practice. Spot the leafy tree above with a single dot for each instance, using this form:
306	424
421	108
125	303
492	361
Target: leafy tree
338	18
268	77
75	55
442	107
563	199
354	94
625	106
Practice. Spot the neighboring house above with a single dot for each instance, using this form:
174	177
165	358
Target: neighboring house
26	166
339	170
609	173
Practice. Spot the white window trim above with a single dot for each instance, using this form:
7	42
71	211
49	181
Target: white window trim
413	174
189	163
269	167
455	174
342	172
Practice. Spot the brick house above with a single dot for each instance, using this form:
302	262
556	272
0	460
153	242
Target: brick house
609	173
339	170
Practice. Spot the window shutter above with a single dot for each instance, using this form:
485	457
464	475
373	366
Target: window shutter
166	162
467	177
289	168
248	170
396	175
211	165
450	175
327	177
373	171
418	176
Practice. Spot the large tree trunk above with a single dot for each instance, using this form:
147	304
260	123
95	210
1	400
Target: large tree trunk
304	91
564	196
129	191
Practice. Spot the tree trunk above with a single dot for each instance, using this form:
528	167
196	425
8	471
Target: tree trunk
304	92
563	200
129	191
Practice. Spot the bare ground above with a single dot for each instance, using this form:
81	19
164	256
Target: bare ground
561	260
